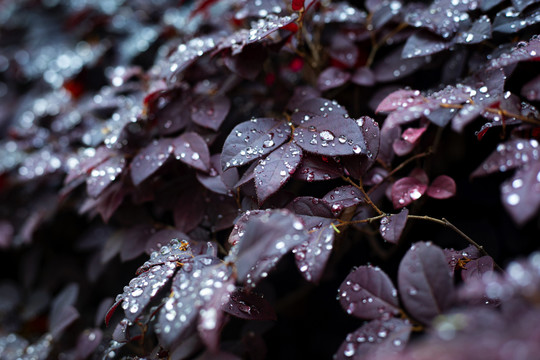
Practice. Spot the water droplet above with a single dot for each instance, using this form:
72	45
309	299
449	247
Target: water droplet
327	135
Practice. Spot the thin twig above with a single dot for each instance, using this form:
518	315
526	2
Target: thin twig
448	224
366	196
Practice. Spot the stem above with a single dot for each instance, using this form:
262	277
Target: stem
501	112
366	197
448	224
376	45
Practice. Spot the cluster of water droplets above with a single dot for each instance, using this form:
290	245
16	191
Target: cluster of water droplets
340	12
15	347
312	255
395	332
183	55
439	18
104	174
509	155
39	163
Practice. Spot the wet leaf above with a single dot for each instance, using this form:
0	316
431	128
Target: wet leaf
520	194
507	156
267	237
443	187
316	168
210	112
378	339
191	149
253	139
312	255
104	174
368	293
332	77
276	169
400	99
479	31
394	67
63	311
425	284
392	226
406	190
341	198
509	20
474	269
422	44
150	159
443	17
249	305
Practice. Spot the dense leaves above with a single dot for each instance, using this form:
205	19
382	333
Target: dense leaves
245	155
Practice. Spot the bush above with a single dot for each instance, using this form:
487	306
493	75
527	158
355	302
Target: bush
197	180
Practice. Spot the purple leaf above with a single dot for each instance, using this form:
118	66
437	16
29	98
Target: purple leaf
442	17
406	190
189	209
150	159
88	161
191	149
474	269
302	94
332	77
423	44
274	171
185	54
163	237
253	139
210	112
521	194
249	306
443	187
63	313
524	51
317	107
87	343
400	99
394	67
104	174
315	168
218	181
368	293
531	90
312	255
267	237
508	156
331	133
392	226
425	284
378	339
454	256
343	50
341	198
249	63
134	242
363	76
196	285
488	91
509	20
478	32
310	206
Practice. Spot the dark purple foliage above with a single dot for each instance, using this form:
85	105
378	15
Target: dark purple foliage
245	155
368	293
425	284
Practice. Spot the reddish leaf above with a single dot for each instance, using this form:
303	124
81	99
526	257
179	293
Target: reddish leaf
406	190
400	99
454	256
425	284
297	5
443	187
392	226
368	293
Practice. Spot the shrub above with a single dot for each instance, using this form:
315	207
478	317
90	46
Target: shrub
197	180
